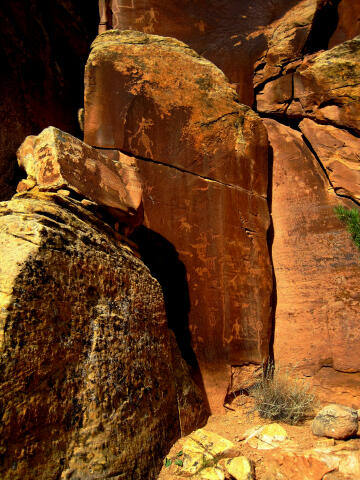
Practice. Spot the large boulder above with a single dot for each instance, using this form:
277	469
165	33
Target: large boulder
202	157
335	421
317	269
91	384
241	38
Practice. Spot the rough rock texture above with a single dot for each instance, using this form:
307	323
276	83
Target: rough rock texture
239	37
341	462
88	387
43	49
339	153
55	160
348	25
316	268
203	160
335	421
325	87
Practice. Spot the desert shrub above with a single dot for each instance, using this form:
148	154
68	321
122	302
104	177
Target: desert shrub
279	395
351	218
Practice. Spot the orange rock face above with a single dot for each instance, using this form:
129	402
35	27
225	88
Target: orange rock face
239	37
316	268
203	160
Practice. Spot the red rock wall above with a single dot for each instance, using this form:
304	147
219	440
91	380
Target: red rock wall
275	49
316	269
239	37
203	160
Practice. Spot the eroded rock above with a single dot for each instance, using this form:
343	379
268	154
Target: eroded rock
88	383
203	162
335	421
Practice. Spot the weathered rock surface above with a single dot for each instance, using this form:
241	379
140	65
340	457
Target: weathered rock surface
316	268
239	37
202	157
338	152
43	48
56	160
335	421
325	87
88	386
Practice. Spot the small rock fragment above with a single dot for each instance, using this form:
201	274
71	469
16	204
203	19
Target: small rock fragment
335	421
241	468
266	437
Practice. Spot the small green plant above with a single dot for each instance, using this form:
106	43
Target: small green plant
351	218
281	396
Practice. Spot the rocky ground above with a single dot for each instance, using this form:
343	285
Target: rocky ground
301	455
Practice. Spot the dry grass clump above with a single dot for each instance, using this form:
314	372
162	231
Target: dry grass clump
281	396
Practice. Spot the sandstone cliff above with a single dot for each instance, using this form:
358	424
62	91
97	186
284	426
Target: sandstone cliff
202	158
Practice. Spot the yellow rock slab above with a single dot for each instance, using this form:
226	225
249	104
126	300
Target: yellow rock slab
202	450
241	468
266	437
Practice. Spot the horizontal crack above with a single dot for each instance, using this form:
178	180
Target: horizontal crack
183	170
211	122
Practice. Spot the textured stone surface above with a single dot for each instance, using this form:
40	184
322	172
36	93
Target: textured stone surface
57	160
348	25
88	387
326	87
335	421
43	48
239	37
316	268
202	159
338	152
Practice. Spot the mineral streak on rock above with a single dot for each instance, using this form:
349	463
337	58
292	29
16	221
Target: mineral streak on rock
89	388
56	160
203	161
241	38
317	269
